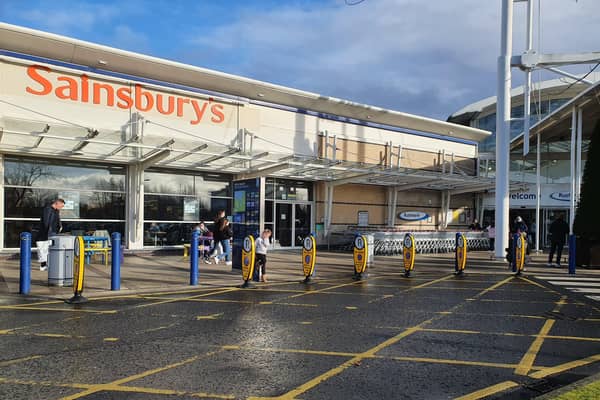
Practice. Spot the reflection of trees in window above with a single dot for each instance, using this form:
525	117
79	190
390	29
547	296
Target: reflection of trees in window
25	175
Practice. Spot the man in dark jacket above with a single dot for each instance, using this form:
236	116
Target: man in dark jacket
49	225
559	230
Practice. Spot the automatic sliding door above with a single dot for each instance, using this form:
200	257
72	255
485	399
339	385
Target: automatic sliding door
283	224
302	219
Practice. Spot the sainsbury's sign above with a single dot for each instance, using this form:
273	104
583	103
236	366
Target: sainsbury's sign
83	89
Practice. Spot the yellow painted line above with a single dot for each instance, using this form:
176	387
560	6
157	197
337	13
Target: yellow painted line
561	302
455	331
515	301
292	394
18	360
451	362
296	304
58	309
265	302
529	357
147	390
488	391
351	308
111	339
583	339
232	347
445	278
44	383
305	323
565	367
497	285
537	284
212	316
591	319
221	301
57	335
174	300
324	289
303	351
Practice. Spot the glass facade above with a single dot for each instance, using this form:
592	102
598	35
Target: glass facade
174	203
94	196
538	112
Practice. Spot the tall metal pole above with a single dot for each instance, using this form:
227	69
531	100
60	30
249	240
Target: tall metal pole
579	150
527	91
503	129
572	199
538	190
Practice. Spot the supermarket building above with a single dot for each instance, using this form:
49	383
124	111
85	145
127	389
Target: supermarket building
150	147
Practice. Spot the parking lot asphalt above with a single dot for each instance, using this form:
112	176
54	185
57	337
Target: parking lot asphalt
487	334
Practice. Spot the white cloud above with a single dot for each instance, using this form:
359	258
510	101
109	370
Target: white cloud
427	57
70	17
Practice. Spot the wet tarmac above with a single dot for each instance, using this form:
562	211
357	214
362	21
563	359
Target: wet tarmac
432	336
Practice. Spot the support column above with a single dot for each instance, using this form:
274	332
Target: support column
2	200
538	191
572	168
579	151
503	130
135	207
328	210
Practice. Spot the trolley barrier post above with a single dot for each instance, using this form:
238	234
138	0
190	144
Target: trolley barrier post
460	254
408	254
361	252
309	254
248	259
519	251
78	272
115	262
25	263
572	253
194	258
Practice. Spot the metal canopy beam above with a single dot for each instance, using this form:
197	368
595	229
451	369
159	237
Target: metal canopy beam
257	173
185	154
216	157
535	60
91	134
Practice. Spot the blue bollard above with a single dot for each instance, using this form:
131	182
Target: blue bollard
194	258
25	263
572	253
115	262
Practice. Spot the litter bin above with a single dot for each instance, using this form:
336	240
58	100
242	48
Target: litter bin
370	249
60	260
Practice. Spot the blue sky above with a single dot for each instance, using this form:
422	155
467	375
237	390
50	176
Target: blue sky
427	57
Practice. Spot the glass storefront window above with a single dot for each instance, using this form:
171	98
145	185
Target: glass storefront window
94	196
48	174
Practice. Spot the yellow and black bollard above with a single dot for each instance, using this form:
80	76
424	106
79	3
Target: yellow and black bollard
78	272
520	250
309	255
361	252
408	254
460	254
248	258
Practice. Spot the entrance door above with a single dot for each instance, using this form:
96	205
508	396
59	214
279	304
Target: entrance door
283	224
292	223
301	223
549	215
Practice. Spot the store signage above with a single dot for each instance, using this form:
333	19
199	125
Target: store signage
523	196
561	196
83	89
413	215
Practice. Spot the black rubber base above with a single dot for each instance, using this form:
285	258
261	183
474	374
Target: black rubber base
358	277
77	299
407	274
247	285
308	279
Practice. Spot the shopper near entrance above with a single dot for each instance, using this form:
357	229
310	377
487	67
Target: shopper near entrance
222	233
559	230
260	262
491	230
475	226
49	225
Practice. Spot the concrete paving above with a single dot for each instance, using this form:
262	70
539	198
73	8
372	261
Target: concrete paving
486	334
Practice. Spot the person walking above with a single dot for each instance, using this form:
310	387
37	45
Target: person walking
49	225
221	235
559	230
491	230
260	262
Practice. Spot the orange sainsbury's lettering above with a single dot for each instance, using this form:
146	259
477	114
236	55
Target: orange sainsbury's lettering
86	90
46	84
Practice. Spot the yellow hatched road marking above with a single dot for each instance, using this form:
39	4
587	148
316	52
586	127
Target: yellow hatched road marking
18	360
529	357
44	383
171	300
58	309
491	288
565	367
480	394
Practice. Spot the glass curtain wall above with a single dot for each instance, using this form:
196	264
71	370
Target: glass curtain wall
174	203
94	196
